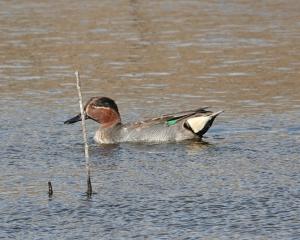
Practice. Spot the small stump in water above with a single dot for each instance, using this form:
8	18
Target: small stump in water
50	190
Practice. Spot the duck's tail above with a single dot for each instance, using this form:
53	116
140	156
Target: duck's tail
200	124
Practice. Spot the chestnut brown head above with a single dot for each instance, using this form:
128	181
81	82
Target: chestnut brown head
103	110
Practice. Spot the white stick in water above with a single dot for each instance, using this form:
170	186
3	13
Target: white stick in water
86	146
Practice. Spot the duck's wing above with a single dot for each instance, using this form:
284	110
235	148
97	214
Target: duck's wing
169	119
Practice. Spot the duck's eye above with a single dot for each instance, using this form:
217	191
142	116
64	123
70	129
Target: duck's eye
105	104
95	105
100	103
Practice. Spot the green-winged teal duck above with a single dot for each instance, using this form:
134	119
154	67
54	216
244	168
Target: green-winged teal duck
170	127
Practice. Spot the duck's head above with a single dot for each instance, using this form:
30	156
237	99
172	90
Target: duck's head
100	109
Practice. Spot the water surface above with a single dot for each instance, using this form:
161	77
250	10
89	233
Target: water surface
152	57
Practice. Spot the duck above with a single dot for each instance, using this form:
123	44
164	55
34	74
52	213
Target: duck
179	126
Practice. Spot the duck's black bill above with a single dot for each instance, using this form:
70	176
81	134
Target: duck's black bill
75	119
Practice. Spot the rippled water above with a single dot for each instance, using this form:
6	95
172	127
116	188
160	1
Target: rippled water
152	57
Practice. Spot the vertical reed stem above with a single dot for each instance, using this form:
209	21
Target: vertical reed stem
86	146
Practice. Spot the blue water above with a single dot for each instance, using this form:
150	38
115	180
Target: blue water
241	182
